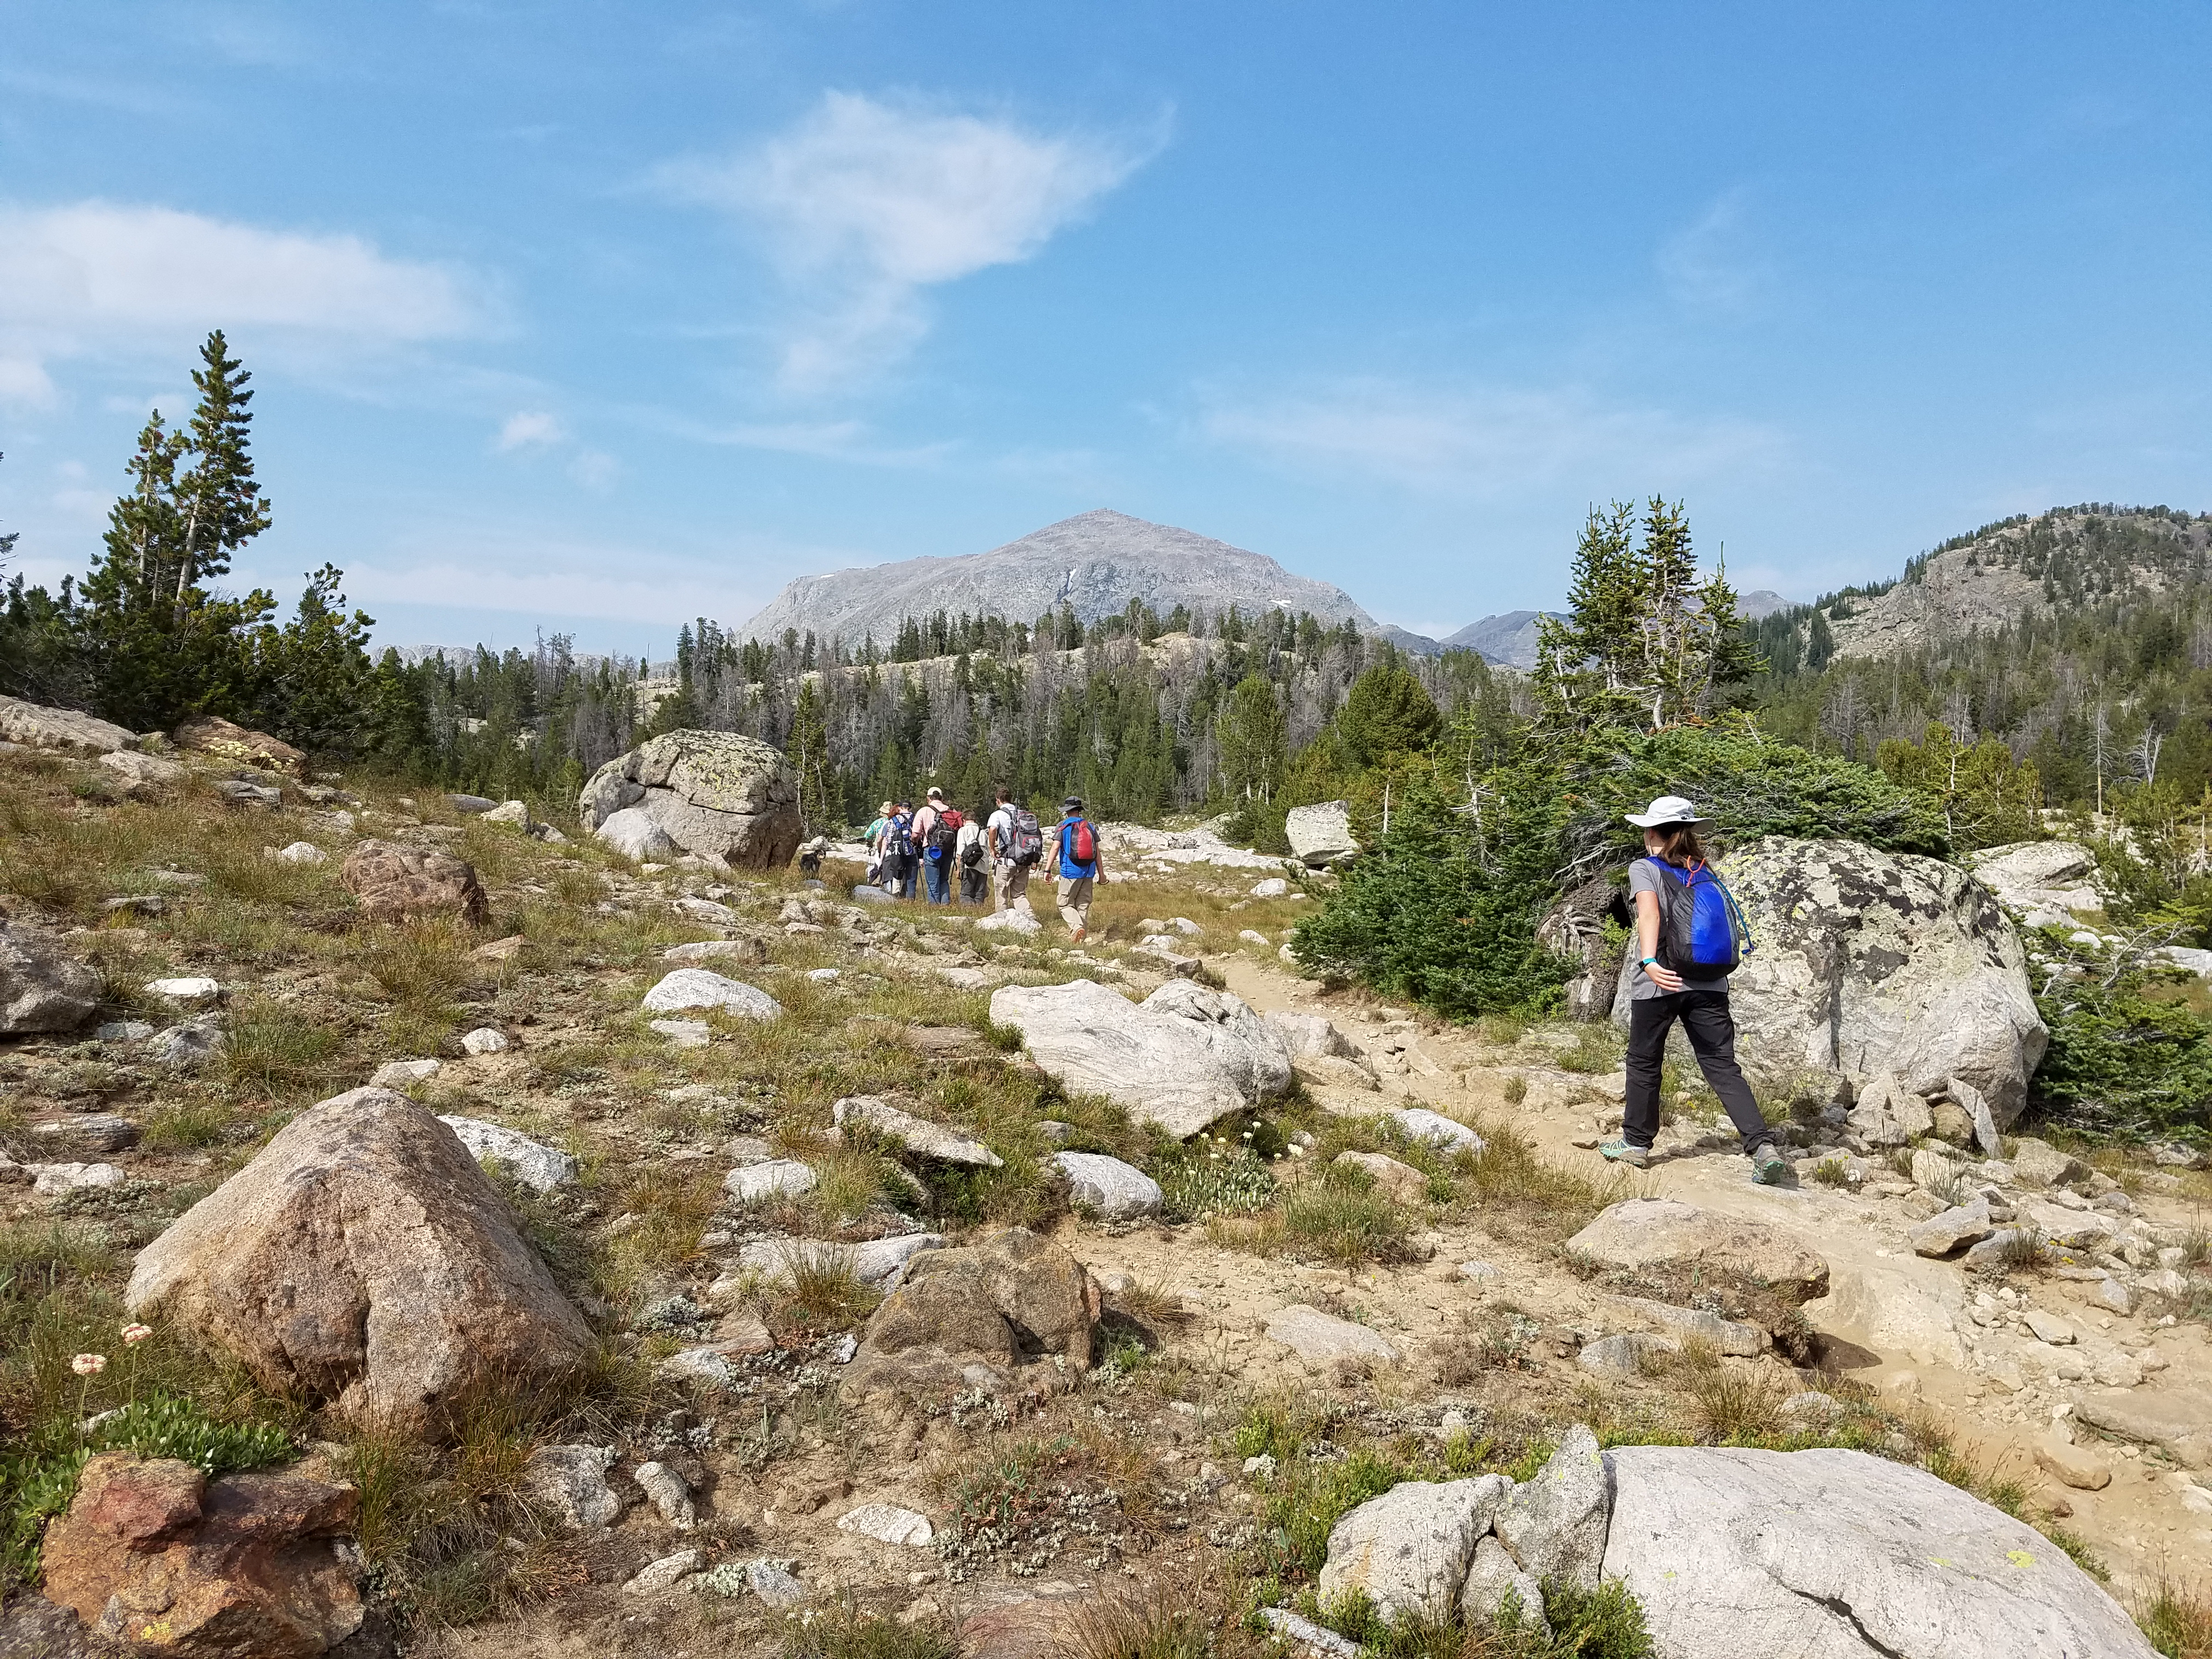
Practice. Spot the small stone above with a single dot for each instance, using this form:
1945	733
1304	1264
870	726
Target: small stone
125	1030
684	1033
917	1134
772	1581
782	1177
706	910
1251	936
2114	1294
696	988
1261	1465
2049	1327
703	1366
1479	1270
1323	1338
1310	1638
500	950
485	1040
300	851
1419	1123
669	1492
888	1523
193	991
1114	1190
1624	1355
2077	1466
540	1168
54	1180
187	1047
1273	887
403	1074
571	1482
1492	1578
1940	1235
91	1131
664	1574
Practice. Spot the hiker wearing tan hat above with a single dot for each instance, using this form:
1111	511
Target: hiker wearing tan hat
1689	937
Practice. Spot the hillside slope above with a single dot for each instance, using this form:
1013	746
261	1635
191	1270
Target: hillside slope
1096	562
2067	558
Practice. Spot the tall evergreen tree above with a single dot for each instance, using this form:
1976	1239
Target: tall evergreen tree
1251	734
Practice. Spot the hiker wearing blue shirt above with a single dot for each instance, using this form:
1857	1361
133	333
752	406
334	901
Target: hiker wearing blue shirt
1077	866
1687	942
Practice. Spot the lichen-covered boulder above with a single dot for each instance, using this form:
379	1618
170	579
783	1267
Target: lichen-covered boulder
1321	835
393	883
40	727
714	793
1867	962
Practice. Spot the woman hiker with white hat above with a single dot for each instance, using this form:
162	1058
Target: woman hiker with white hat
1686	938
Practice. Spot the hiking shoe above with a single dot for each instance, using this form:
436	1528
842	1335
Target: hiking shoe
1621	1152
1768	1167
1080	935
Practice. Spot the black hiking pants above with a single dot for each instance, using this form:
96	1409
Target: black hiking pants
1706	1022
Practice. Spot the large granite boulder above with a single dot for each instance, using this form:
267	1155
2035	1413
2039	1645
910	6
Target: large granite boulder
393	883
1868	962
1182	1058
42	986
363	1258
41	728
1839	1555
1321	835
154	1555
712	793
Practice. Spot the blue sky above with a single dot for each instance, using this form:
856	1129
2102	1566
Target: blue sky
594	317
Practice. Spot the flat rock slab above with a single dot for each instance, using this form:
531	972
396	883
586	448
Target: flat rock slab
1831	1554
1624	1355
665	1573
1323	1338
1729	1336
1402	1182
1647	1232
697	987
917	1134
2181	1422
888	1523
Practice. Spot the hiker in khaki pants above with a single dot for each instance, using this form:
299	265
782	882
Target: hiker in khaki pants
1077	836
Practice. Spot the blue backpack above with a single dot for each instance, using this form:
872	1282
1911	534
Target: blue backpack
1702	934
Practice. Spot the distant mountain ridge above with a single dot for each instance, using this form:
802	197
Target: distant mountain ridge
1094	563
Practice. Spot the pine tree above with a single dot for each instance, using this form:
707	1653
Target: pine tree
809	756
1251	735
1386	712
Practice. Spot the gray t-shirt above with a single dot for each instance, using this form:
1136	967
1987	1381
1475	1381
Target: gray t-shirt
1642	879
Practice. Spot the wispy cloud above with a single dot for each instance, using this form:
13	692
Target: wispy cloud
1483	441
864	205
1713	262
107	278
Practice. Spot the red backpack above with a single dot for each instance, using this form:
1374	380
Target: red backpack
1083	844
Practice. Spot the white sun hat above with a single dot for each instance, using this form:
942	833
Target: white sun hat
1669	810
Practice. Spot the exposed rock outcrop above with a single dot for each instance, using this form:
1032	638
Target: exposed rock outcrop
154	1555
41	728
1320	834
716	794
1664	1232
363	1258
224	740
979	1313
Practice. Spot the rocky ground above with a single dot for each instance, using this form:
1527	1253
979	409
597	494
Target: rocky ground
876	1367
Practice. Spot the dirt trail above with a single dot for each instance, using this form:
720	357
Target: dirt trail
1908	1316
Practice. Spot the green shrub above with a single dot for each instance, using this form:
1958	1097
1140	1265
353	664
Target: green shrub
1207	1179
2121	1062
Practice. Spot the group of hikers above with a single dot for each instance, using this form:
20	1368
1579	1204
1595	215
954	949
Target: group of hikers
1688	933
990	854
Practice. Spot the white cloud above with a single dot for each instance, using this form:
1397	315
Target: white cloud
529	429
864	205
1485	441
97	276
1712	263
